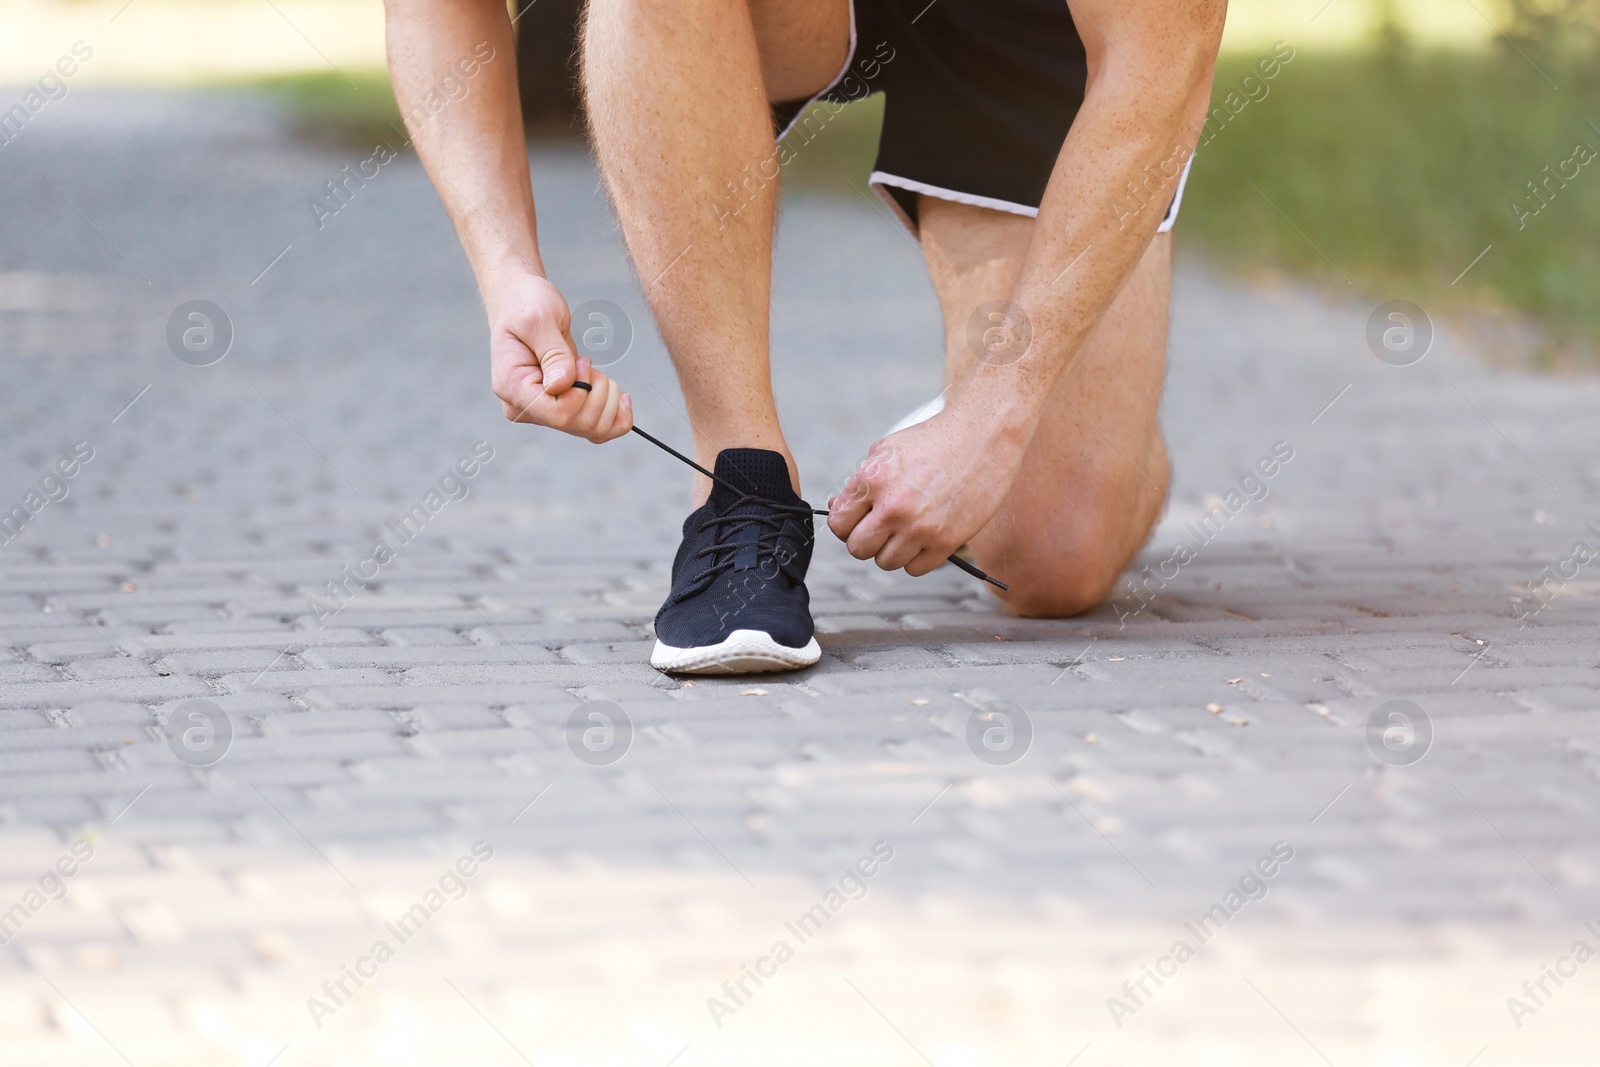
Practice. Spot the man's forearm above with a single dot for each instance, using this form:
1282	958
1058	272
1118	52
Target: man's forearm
453	67
1111	184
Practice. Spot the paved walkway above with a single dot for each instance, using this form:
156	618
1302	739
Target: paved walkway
1198	747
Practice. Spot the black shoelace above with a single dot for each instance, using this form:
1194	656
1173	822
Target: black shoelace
724	551
957	561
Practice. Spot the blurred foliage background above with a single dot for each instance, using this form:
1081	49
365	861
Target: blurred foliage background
1400	167
1402	152
1386	164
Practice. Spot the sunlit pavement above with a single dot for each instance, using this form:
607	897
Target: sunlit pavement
1060	804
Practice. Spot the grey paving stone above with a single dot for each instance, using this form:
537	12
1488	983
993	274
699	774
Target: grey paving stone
110	668
45	760
410	656
553	633
64	694
1398	537
29	672
424	636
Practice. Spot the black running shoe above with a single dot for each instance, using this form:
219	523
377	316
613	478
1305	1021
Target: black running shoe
739	601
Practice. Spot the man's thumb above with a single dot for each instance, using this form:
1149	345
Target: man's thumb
558	363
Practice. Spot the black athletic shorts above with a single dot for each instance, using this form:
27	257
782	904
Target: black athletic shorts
978	98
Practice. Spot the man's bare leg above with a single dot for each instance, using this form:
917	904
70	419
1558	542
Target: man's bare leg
1094	480
678	104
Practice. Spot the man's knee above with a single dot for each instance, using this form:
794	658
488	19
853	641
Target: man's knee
1059	581
1067	567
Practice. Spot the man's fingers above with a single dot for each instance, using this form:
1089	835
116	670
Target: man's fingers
925	562
597	410
872	535
535	367
849	507
515	374
897	551
558	360
608	414
853	502
593	421
574	409
521	393
868	537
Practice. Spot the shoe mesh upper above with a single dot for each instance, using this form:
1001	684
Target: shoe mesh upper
743	559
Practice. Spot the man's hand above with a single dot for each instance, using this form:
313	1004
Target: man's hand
924	492
533	364
477	157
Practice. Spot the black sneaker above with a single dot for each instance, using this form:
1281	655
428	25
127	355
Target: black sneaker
739	601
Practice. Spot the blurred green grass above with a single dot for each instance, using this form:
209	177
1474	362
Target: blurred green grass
329	110
1400	168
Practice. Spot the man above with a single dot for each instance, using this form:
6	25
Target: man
1036	148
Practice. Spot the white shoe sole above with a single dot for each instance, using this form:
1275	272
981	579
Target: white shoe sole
741	652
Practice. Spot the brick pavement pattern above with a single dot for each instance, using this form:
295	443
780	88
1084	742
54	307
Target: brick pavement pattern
1166	742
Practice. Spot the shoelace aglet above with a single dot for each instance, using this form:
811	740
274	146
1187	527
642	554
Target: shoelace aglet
959	563
962	564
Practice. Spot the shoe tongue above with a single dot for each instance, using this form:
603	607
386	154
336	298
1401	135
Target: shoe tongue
757	471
